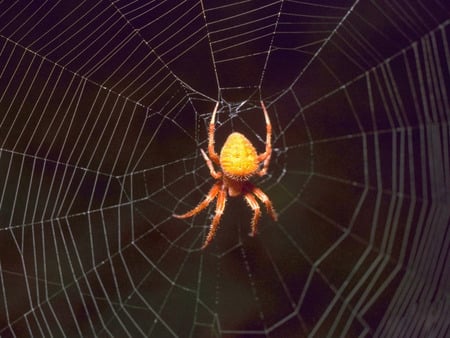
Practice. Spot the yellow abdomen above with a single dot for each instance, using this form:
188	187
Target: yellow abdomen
238	157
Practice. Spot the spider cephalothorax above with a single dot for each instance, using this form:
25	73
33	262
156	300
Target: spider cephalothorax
239	161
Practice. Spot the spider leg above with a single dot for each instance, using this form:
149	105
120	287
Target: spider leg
268	153
220	206
212	129
213	172
203	204
256	212
265	199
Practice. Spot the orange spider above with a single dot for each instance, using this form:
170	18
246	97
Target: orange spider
239	161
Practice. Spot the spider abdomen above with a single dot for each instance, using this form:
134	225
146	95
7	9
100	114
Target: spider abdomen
238	157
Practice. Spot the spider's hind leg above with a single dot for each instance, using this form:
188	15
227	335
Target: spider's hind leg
212	130
265	157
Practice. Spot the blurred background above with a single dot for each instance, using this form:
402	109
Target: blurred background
104	107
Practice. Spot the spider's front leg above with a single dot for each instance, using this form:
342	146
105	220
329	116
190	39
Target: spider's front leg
265	199
220	207
203	204
256	212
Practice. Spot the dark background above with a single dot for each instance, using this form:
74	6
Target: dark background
104	107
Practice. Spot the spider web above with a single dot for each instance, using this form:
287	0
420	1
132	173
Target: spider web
104	108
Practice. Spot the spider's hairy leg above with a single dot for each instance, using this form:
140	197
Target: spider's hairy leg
212	129
213	172
268	152
265	199
203	204
256	212
220	206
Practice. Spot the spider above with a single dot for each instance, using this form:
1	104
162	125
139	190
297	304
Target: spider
238	161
